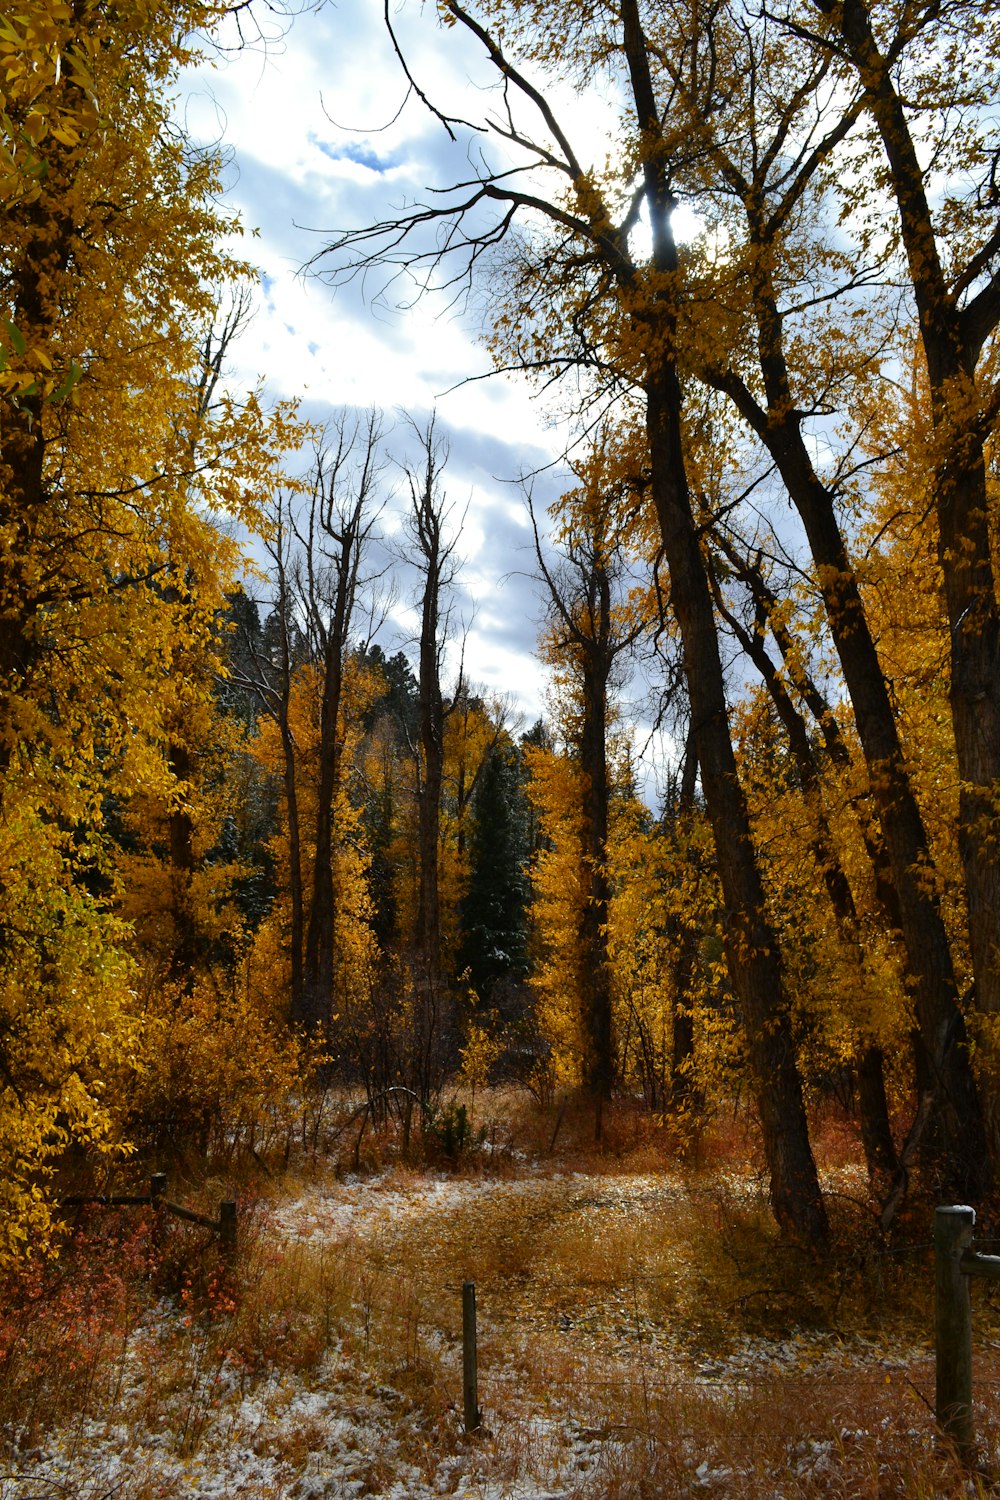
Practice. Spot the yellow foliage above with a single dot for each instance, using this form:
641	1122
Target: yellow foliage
111	564
216	1063
69	1038
560	882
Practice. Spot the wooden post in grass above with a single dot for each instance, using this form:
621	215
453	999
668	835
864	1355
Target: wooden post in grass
227	1226
470	1371
953	1226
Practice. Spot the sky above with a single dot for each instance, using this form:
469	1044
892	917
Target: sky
316	141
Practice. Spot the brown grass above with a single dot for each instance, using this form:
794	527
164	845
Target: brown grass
643	1333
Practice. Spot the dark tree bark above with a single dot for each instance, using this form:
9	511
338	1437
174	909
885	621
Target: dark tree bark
435	559
593	633
953	330
751	946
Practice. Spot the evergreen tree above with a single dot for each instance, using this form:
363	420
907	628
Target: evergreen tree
494	943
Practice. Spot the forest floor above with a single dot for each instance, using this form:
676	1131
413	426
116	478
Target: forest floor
642	1333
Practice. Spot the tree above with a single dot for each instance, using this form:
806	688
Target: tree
341	516
781	365
594	624
875	1128
607	307
265	671
110	563
318	549
436	561
916	72
493	946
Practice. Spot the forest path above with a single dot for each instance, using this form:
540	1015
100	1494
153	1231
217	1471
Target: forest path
631	1323
614	1268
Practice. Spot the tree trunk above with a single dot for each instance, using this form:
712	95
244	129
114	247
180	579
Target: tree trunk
750	944
952	338
594	924
434	553
876	1133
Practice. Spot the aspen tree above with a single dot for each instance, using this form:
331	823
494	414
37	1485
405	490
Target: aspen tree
594	623
110	243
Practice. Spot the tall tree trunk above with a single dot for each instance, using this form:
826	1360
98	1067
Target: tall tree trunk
953	339
592	631
965	1163
434	556
751	946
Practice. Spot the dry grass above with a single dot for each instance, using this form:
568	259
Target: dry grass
642	1334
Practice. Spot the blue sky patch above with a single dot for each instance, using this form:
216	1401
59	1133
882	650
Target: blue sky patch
363	155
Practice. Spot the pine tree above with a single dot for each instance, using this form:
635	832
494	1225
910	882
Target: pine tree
494	926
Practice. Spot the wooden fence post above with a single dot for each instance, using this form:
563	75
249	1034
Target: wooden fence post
470	1370
953	1226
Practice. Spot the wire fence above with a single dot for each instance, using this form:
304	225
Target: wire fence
644	1349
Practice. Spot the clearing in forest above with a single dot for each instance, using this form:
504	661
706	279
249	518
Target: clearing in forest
642	1333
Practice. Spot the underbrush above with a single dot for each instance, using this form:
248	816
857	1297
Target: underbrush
642	1333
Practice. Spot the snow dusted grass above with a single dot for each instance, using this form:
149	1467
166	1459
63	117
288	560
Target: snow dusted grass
642	1335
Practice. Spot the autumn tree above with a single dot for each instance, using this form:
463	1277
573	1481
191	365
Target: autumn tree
594	623
333	537
263	667
588	296
918	74
319	546
781	361
868	1061
111	566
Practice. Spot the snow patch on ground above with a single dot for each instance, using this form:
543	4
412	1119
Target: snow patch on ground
337	1433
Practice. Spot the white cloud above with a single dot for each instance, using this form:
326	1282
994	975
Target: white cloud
315	147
